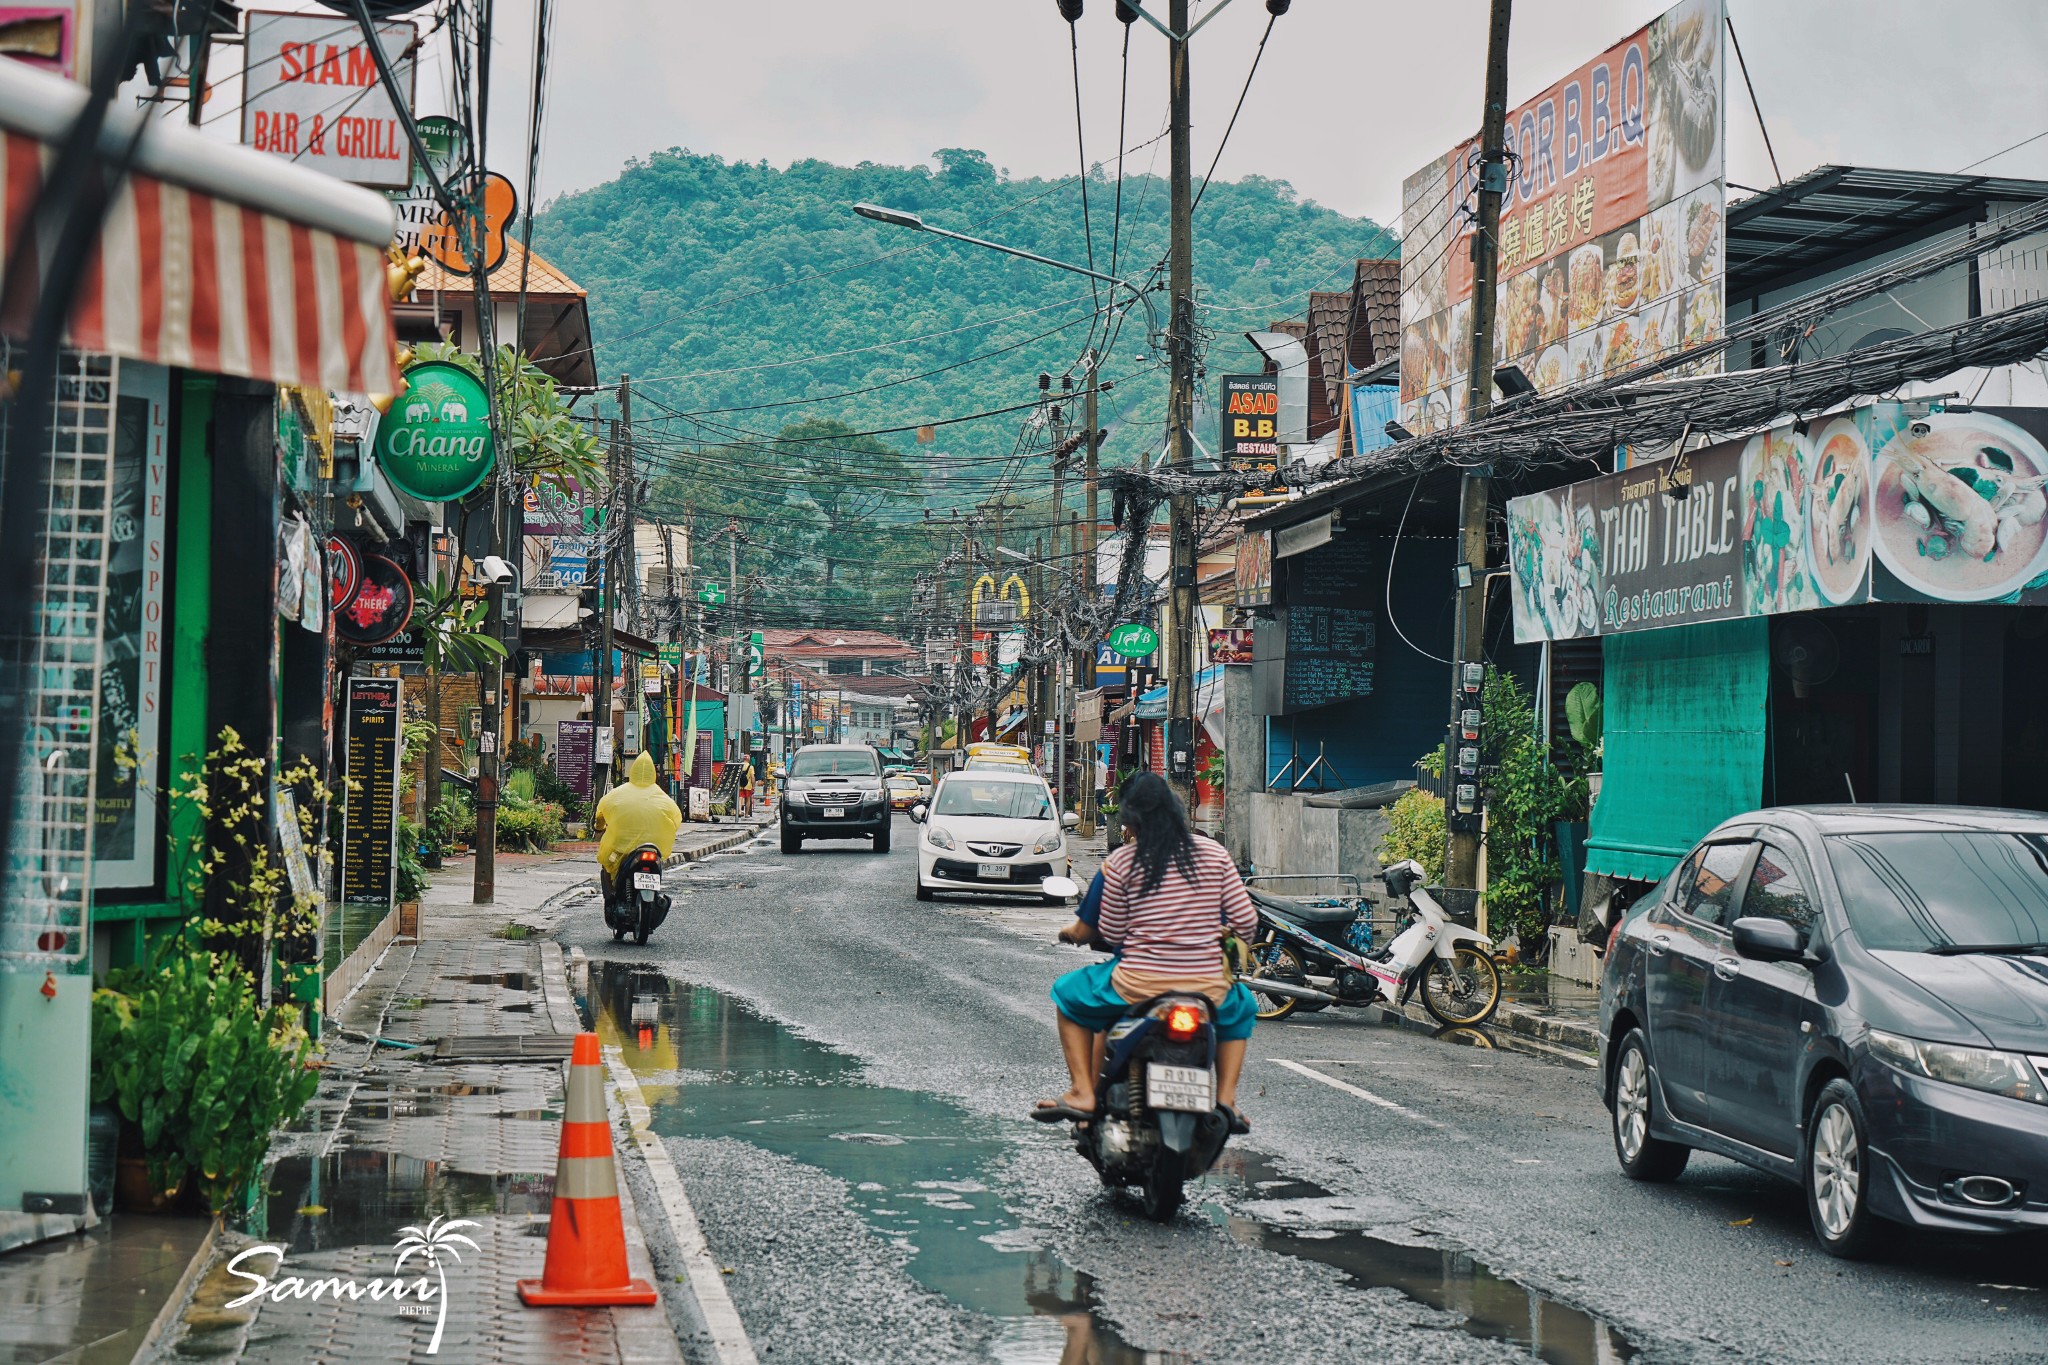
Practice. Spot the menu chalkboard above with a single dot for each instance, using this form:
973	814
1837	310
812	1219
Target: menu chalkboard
1330	635
369	833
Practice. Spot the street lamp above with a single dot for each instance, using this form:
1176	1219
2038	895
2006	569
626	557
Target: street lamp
904	218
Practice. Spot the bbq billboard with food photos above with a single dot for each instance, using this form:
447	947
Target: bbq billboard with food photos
1611	227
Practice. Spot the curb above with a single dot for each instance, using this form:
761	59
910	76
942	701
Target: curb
702	1277
1567	1040
738	837
174	1307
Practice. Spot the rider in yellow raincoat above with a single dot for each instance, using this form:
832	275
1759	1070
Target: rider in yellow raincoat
635	814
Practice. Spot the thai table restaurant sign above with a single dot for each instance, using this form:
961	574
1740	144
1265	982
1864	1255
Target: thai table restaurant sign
575	741
314	96
369	830
435	443
1610	247
1886	503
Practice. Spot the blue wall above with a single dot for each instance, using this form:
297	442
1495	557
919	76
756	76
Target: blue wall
1377	738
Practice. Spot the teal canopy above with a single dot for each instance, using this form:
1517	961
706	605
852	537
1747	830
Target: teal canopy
1684	723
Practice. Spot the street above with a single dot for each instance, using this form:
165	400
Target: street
841	1076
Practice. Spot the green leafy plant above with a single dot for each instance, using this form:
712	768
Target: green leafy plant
1584	713
1526	796
230	868
452	628
453	821
545	441
549	785
412	873
189	1057
1415	825
1215	769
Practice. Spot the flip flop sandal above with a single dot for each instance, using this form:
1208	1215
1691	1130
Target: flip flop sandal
1048	1112
1238	1126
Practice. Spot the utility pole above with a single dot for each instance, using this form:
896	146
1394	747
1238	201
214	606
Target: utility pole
1084	657
626	551
1180	689
732	554
964	668
607	602
1461	866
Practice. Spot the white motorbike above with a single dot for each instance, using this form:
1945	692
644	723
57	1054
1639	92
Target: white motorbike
1296	955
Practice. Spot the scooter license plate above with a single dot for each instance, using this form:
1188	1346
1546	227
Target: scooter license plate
833	814
647	881
994	872
1186	1089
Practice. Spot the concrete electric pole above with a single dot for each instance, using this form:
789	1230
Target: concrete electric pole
1461	867
1180	681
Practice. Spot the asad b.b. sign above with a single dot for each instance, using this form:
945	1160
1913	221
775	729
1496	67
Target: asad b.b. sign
436	441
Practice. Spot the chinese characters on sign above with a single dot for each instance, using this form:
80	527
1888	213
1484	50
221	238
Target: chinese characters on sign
1610	242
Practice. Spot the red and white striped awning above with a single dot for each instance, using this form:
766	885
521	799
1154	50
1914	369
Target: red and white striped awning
213	257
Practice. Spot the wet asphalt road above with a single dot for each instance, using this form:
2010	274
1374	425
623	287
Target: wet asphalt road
841	1075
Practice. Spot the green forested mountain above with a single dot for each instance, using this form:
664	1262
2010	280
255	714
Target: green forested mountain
735	292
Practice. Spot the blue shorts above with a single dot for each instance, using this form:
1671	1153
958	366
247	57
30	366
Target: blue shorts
1086	996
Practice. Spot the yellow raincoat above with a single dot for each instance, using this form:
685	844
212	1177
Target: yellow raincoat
635	814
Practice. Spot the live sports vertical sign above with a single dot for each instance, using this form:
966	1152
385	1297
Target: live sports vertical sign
311	94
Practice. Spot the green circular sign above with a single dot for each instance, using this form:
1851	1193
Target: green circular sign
1133	641
435	443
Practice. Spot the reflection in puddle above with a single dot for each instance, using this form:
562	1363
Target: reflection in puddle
920	1172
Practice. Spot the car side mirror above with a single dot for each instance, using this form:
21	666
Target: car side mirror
1767	940
1068	819
919	811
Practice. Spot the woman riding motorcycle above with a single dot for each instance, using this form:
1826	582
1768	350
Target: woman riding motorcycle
1167	897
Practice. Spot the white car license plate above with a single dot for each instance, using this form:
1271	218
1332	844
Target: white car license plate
831	814
1188	1089
647	881
995	872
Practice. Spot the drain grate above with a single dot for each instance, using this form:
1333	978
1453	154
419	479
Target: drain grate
505	1047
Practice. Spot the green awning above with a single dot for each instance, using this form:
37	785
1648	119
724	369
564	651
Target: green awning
1684	717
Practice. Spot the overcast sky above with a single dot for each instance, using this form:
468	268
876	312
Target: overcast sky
1352	94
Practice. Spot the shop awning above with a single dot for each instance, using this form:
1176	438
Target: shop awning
213	257
1684	750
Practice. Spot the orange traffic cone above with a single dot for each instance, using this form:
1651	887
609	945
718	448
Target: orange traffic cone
586	1265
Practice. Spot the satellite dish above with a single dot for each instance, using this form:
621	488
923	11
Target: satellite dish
1807	652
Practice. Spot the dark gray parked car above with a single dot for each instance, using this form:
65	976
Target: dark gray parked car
1851	997
834	791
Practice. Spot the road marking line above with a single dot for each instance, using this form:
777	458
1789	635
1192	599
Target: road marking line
701	1274
1350	1089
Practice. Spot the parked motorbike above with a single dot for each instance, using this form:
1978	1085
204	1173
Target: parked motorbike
634	902
1311	957
1156	1123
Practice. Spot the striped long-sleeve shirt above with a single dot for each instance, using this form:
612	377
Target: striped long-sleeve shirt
1172	931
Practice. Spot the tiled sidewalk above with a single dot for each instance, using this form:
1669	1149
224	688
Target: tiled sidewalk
395	1140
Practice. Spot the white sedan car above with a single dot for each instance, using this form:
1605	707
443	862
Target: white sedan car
990	830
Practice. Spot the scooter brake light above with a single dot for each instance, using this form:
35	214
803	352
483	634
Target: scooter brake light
1182	1021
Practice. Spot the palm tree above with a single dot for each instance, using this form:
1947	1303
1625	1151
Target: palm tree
430	1242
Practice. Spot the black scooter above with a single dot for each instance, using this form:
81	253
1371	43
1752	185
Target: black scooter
634	902
1156	1124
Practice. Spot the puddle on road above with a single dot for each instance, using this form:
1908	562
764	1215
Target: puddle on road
923	1173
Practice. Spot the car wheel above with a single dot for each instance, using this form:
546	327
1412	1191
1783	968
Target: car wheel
1642	1156
882	839
1837	1174
792	843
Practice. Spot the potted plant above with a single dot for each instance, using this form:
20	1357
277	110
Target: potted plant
200	1072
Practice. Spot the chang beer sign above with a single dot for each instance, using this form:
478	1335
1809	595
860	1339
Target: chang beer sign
435	443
